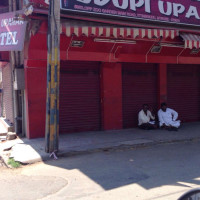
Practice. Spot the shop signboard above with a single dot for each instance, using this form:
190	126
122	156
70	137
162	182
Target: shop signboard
12	31
185	12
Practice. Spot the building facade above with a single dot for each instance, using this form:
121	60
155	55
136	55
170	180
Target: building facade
115	56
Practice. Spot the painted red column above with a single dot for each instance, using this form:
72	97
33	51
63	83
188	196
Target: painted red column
162	78
111	82
35	97
35	53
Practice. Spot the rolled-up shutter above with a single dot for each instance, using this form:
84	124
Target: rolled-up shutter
80	97
139	87
184	91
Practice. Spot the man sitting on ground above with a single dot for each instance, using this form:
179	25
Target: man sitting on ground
168	118
145	118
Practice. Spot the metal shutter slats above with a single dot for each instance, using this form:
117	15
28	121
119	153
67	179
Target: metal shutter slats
80	97
139	87
184	91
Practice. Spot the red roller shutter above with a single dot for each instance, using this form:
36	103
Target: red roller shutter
139	87
80	97
184	91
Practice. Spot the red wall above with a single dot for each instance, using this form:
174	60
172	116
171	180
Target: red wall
35	82
35	79
111	77
111	96
4	56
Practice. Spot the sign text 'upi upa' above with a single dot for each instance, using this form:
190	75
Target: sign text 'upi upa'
171	11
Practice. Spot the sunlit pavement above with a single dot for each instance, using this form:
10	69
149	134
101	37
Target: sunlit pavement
30	151
162	172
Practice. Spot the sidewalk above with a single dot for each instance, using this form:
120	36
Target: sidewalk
30	151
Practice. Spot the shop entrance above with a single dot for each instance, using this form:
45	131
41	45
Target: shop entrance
80	97
139	87
184	91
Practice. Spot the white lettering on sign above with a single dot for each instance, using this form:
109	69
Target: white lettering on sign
166	8
14	36
10	22
47	2
2	36
9	38
192	12
134	4
137	4
87	1
100	2
178	9
167	11
124	5
12	31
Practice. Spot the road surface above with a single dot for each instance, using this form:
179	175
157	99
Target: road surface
162	172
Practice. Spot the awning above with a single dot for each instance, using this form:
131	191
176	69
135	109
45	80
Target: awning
191	40
118	32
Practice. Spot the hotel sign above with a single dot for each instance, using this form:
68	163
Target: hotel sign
12	32
169	11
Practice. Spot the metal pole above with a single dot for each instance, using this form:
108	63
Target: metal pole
53	77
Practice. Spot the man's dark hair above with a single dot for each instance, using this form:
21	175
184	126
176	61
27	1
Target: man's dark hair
163	104
145	104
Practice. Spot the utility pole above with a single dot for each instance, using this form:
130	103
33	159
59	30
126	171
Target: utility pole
53	78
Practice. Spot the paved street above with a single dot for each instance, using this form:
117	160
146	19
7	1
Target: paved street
161	172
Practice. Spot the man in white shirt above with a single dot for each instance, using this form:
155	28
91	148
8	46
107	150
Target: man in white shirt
168	118
145	118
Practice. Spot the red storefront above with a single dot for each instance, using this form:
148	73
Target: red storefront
111	65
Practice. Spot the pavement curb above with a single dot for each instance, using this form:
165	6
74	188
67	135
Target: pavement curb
120	146
123	147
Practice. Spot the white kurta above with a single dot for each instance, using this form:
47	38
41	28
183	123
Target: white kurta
143	118
169	118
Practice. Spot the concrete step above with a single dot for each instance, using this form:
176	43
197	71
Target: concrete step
5	127
3	138
3	131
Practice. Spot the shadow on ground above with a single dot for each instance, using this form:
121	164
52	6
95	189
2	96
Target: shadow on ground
150	167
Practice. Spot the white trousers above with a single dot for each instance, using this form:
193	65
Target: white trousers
173	123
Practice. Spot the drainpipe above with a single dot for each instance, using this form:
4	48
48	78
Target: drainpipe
16	61
12	7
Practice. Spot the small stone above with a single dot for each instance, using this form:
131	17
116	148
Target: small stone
11	136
